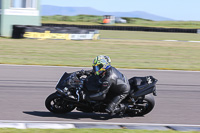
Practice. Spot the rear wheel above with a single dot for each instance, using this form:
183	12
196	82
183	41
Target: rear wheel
143	106
56	104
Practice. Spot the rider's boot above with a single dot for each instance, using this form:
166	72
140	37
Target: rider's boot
113	107
110	109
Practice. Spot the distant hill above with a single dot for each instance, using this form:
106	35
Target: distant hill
48	10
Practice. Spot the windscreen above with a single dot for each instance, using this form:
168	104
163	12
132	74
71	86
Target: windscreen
60	83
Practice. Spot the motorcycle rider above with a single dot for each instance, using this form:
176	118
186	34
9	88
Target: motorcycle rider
111	81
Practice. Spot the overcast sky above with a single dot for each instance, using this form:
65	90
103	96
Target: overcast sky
174	9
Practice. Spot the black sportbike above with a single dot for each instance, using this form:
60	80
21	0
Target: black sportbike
69	88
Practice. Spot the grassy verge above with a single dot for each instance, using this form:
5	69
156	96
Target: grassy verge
140	54
97	20
3	130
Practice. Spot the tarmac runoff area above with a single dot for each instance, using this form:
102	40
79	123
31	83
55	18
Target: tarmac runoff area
66	125
16	81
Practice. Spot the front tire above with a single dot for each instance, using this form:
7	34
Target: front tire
56	104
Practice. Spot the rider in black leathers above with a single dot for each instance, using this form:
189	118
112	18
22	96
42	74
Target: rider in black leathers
111	80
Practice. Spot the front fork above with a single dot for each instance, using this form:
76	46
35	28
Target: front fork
77	93
68	94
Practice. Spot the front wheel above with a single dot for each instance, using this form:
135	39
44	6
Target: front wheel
143	106
56	104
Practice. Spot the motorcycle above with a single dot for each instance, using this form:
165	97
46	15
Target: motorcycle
68	95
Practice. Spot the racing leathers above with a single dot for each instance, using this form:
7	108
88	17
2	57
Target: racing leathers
115	82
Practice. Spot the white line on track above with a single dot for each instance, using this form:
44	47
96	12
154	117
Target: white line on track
180	41
152	40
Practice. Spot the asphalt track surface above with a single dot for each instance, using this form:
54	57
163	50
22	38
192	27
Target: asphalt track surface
23	90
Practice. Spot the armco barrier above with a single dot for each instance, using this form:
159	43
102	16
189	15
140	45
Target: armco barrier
46	32
127	28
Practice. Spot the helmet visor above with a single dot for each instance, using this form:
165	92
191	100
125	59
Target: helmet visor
97	68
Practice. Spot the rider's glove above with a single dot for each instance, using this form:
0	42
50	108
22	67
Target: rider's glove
88	72
80	73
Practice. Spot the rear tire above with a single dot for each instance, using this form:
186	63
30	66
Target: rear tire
56	104
151	103
143	106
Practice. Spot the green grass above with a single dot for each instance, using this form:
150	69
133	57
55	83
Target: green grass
97	20
78	18
141	54
3	130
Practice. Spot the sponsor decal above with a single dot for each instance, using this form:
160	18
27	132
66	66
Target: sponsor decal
60	36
